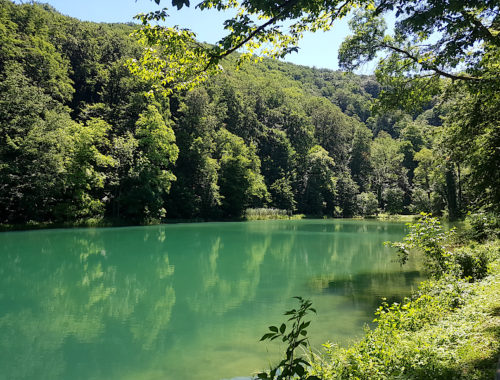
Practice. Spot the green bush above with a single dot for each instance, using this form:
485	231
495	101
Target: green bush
266	213
421	201
393	198
426	235
470	263
367	203
481	226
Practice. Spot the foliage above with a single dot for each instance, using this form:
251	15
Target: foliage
292	366
241	184
367	203
393	200
428	236
151	178
266	213
482	226
420	201
447	329
177	60
347	190
470	262
387	161
319	182
80	140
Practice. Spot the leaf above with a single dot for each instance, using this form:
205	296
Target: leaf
282	328
273	328
266	336
300	370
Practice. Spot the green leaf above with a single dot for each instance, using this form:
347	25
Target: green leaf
266	336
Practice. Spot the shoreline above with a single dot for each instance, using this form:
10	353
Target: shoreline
108	223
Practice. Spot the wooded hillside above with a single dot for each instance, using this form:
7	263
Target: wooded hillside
80	139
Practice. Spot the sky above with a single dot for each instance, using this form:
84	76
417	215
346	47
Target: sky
316	49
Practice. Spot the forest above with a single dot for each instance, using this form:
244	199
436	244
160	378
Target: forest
135	124
81	138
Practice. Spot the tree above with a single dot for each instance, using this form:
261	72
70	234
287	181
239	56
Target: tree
149	179
317	183
393	200
387	161
87	171
423	171
367	203
461	25
333	129
196	192
241	184
347	190
360	158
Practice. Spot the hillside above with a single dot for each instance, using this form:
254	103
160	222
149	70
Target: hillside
80	139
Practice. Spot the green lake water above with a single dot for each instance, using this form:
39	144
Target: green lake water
185	301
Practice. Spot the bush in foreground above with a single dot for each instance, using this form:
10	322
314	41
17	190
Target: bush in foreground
449	329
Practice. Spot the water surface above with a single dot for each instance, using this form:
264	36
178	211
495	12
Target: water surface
186	301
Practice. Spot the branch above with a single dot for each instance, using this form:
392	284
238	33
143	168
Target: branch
339	10
285	6
483	30
426	66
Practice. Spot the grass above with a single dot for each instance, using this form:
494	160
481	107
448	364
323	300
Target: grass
269	214
396	217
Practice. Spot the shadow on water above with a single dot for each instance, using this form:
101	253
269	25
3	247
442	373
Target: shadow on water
366	291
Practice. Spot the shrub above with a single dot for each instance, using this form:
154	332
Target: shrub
367	203
420	201
393	198
470	263
265	213
482	226
428	236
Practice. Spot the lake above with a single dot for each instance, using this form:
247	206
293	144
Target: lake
185	301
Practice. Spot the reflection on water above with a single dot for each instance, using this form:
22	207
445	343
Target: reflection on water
183	301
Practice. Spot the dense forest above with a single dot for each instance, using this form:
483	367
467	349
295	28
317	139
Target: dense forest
81	138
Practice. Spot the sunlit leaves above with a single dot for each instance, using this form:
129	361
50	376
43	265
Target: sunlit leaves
171	59
174	61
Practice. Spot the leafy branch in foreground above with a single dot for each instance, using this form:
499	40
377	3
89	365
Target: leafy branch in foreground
291	367
428	236
171	58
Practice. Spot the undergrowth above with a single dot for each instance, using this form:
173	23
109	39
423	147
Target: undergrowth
448	329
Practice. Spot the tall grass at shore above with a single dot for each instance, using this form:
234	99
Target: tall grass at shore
269	213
